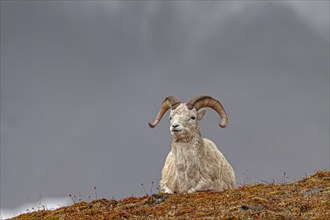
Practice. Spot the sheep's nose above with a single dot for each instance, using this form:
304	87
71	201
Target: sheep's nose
175	125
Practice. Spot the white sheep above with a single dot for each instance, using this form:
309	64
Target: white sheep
194	163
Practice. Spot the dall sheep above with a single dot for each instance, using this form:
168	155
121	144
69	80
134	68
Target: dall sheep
194	163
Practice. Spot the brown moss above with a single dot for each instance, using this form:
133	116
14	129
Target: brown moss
304	199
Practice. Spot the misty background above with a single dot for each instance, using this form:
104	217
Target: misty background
80	81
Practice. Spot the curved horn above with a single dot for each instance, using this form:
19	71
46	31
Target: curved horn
207	101
169	102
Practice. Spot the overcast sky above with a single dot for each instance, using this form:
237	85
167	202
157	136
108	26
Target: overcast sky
80	81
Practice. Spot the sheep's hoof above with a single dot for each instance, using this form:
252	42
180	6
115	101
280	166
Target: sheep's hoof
191	191
167	190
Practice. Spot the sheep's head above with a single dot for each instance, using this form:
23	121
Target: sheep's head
184	117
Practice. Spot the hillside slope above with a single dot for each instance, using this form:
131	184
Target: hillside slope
308	198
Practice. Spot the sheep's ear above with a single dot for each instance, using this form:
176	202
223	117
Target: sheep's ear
201	114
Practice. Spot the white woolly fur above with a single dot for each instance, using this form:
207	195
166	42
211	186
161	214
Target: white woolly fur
194	163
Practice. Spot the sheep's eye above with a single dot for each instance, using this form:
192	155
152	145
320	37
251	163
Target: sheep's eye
193	117
170	118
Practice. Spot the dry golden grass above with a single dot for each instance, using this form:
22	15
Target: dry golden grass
305	199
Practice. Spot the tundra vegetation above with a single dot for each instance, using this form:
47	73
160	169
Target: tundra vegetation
307	198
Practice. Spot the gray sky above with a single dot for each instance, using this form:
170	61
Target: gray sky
80	81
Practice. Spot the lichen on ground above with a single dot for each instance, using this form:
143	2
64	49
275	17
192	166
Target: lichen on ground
308	198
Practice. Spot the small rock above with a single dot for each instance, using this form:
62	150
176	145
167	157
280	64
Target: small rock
161	200
313	191
244	207
254	208
156	199
156	195
160	196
